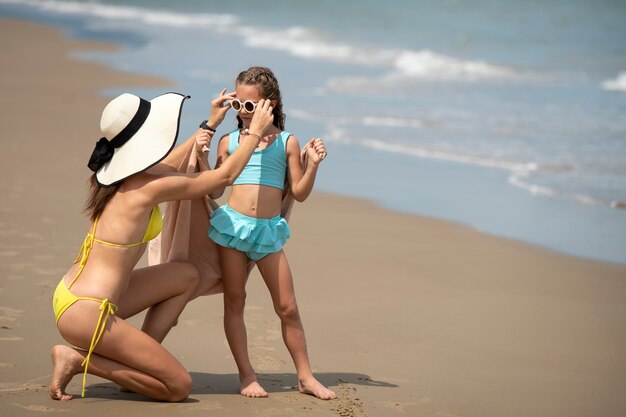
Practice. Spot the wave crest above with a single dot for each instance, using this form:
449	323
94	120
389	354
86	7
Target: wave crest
617	84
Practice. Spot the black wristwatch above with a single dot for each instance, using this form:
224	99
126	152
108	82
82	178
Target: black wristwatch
205	126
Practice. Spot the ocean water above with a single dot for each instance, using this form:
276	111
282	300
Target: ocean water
506	116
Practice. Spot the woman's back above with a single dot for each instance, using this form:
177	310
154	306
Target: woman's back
111	251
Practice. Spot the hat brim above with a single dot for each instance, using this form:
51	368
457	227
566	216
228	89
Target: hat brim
153	141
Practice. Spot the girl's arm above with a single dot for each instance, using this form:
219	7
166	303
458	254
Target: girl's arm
302	181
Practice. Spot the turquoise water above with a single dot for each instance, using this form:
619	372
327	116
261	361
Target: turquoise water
505	116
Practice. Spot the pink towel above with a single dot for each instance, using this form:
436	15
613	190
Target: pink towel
186	226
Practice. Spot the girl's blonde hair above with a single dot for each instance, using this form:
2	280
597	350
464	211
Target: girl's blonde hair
263	78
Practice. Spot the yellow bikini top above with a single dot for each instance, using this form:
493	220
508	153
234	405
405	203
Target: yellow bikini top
155	225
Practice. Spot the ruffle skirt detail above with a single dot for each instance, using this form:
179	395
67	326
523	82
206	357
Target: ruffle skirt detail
256	237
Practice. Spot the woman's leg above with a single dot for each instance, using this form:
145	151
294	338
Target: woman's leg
234	265
124	355
165	289
277	276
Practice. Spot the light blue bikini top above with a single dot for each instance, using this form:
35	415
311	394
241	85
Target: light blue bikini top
266	166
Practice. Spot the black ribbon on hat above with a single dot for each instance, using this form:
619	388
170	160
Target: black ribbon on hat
104	149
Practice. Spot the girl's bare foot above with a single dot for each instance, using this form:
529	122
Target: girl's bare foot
67	363
312	386
250	387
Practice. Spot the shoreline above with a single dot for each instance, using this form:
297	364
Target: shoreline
483	200
405	315
556	225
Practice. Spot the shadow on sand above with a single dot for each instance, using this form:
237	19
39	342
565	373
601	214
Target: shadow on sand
206	383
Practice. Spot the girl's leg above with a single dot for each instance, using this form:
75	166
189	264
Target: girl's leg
165	289
124	355
277	276
234	265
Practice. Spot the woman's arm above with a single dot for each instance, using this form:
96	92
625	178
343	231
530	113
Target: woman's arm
222	155
201	137
302	181
176	186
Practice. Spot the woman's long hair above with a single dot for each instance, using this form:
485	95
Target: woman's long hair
263	78
99	197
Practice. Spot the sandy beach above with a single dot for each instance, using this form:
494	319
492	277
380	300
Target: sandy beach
404	316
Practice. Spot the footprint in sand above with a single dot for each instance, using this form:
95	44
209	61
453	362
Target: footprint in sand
348	402
9	317
27	386
399	406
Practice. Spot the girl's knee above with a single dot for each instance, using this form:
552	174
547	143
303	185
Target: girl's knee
235	302
288	311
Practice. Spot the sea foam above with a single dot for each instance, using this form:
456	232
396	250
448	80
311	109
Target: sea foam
617	84
307	43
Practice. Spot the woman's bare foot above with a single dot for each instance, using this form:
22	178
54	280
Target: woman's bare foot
67	363
250	387
312	386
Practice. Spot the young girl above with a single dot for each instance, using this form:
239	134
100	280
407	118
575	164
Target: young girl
250	227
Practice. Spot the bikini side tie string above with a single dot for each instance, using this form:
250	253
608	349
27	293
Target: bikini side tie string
107	308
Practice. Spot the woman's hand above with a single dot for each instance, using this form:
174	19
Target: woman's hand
203	140
219	108
262	118
316	150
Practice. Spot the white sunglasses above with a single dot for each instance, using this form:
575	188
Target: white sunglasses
248	106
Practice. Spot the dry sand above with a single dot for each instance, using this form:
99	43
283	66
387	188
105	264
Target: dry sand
405	316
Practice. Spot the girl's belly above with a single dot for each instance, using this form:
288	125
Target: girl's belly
258	201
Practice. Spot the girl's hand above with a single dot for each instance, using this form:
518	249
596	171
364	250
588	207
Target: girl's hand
219	108
316	150
262	118
203	140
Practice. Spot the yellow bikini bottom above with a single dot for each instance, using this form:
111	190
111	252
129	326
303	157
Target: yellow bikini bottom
64	299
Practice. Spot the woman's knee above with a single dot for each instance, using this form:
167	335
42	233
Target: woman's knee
188	274
181	388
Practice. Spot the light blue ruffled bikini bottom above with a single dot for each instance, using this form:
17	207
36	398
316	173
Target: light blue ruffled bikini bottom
255	237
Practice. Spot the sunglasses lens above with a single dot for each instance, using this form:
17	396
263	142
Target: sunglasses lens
236	105
249	106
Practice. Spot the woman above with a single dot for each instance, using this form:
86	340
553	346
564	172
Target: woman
131	177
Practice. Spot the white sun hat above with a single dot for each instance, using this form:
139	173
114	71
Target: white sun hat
137	135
